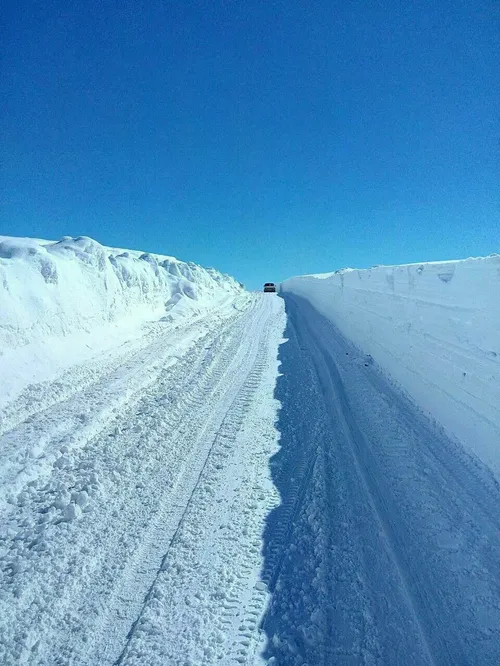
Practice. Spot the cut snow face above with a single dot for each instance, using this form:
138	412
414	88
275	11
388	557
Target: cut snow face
434	328
64	301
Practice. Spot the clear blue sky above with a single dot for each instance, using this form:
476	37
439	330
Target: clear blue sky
267	139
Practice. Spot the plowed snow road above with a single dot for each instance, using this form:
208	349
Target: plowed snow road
134	493
386	547
159	508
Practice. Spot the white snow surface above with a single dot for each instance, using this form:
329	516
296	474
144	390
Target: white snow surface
133	493
63	302
215	480
434	329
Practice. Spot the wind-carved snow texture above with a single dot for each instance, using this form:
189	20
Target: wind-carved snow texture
434	328
385	548
62	302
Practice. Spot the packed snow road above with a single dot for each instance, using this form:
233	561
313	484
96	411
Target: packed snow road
386	546
134	491
178	501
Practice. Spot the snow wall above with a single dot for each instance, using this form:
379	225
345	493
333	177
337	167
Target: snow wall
434	328
63	301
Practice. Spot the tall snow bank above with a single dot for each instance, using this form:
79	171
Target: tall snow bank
57	296
435	328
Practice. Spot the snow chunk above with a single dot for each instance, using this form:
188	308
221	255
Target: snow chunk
72	512
80	498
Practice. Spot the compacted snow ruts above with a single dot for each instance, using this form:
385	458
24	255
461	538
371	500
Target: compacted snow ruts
134	505
206	600
385	548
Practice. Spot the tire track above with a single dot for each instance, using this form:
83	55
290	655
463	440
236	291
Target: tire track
106	450
204	389
148	349
392	554
32	447
199	504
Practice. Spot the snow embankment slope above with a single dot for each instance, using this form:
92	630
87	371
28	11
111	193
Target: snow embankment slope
62	302
434	328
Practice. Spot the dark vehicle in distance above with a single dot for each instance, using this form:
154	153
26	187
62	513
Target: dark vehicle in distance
270	286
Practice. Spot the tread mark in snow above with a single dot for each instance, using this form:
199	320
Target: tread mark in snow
220	449
393	553
160	457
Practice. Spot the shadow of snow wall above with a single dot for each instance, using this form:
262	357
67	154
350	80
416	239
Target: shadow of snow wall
290	552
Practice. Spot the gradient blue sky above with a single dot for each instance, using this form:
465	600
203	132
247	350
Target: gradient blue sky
267	139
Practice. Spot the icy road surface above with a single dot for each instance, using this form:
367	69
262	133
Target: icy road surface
151	517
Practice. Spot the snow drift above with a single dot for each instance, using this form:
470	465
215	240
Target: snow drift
62	301
434	328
